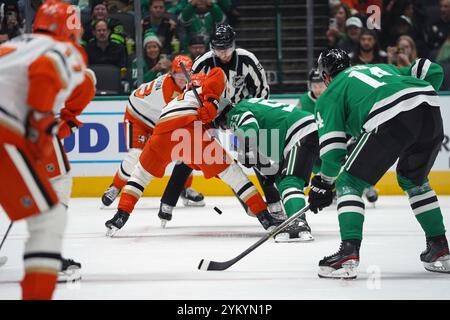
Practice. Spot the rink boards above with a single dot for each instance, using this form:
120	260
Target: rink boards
96	150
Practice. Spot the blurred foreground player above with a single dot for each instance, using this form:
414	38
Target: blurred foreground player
143	109
39	72
395	115
281	141
181	133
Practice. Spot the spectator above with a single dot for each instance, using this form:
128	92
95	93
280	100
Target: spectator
360	6
158	23
197	46
10	19
199	17
101	50
175	7
351	39
336	29
99	11
155	63
403	17
439	29
404	53
368	50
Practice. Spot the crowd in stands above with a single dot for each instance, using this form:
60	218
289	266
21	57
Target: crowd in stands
371	31
169	27
392	31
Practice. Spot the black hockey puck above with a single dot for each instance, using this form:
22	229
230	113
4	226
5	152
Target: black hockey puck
218	210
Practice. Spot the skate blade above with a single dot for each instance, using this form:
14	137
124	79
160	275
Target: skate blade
110	232
3	260
303	237
441	265
347	272
190	203
72	274
163	223
103	207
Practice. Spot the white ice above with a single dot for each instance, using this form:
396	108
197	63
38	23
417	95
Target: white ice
144	261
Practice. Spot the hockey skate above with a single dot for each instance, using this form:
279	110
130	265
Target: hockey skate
165	214
116	223
110	195
371	195
343	264
70	271
192	198
276	210
296	232
436	257
268	221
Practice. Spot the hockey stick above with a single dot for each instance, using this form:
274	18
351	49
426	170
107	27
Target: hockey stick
6	234
208	265
4	259
188	78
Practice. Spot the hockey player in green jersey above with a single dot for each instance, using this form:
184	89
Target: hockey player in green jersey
395	115
307	102
281	141
316	86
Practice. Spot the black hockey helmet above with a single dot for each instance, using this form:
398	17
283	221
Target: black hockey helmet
223	37
332	61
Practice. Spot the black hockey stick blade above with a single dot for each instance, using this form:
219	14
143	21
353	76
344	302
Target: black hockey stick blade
208	265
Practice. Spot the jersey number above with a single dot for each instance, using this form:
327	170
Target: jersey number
273	104
376	71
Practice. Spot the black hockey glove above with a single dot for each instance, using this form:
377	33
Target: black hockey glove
320	194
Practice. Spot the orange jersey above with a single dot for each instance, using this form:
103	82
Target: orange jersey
146	102
37	72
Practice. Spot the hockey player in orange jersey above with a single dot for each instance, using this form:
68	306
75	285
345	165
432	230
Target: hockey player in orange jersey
181	133
39	72
143	109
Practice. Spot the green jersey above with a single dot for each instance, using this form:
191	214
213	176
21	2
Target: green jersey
362	97
307	102
276	126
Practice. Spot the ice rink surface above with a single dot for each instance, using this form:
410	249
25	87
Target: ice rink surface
144	261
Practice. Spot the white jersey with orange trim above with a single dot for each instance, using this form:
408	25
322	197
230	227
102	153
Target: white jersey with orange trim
146	102
16	56
179	112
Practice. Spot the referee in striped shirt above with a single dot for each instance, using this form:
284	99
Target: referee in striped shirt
246	78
